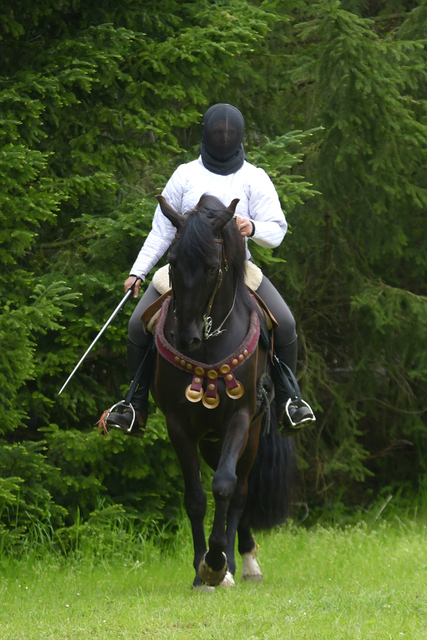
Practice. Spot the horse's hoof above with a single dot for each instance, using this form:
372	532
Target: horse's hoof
228	581
208	575
203	588
200	587
250	567
255	578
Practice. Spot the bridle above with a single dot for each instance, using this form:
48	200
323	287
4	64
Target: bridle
207	318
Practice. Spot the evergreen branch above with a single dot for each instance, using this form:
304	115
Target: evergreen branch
69	241
392	407
393	16
396	444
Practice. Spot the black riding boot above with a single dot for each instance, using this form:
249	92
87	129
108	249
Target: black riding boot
138	358
293	413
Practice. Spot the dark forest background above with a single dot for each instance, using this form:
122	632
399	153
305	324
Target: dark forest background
99	102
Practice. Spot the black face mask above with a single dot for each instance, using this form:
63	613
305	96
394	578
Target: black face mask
222	134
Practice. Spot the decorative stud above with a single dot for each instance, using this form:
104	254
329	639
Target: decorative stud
200	371
236	392
177	359
235	362
241	357
246	353
182	363
212	374
193	395
189	366
211	386
224	369
210	403
229	377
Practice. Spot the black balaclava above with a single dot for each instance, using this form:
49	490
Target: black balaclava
222	134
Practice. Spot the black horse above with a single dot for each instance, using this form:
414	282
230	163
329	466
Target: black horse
211	375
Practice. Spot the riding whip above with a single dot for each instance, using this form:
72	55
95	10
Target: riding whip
109	321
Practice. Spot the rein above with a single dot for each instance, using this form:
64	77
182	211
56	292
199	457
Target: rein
208	322
207	319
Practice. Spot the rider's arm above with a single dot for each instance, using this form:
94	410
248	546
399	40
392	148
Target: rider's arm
265	211
162	231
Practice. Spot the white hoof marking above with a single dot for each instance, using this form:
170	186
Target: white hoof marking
250	567
228	580
204	588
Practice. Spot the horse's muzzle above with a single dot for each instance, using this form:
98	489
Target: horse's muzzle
188	338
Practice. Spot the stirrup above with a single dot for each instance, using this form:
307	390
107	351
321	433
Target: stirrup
126	406
300	423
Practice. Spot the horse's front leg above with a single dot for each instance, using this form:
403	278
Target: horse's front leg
238	501
213	567
194	496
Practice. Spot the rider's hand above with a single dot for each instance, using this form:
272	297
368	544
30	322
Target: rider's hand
129	282
245	226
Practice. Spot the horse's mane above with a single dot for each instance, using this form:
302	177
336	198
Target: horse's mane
197	242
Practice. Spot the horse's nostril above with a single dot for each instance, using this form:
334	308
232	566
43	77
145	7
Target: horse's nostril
188	344
194	344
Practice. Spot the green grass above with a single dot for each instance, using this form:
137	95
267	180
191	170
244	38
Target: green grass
356	583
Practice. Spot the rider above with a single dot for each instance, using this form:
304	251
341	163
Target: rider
221	170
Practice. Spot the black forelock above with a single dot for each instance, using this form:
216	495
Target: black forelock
196	240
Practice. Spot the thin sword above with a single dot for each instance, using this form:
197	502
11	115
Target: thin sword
110	319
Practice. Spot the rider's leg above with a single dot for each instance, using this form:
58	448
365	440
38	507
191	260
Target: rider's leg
139	348
286	349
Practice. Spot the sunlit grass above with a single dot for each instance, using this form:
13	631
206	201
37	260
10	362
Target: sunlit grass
356	583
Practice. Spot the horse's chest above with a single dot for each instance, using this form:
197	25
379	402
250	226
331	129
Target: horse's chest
170	394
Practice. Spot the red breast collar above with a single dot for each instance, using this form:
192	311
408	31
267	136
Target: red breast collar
200	370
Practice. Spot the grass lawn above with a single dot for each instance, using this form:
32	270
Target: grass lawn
318	584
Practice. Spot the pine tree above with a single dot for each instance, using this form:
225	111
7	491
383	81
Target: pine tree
98	103
358	250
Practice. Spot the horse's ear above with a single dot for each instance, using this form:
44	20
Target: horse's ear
170	213
220	221
233	204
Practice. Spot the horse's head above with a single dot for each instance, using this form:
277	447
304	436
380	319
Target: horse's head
198	264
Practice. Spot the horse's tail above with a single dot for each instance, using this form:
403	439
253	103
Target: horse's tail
270	480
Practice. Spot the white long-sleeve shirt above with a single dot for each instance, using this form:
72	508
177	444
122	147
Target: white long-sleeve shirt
258	201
